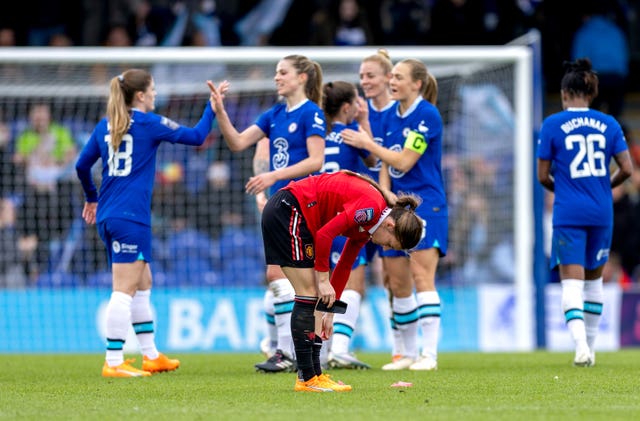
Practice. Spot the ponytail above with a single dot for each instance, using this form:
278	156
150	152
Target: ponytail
122	90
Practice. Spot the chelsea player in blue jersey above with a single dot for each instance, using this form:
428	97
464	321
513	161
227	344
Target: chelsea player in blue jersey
411	158
575	148
375	75
344	109
127	141
295	128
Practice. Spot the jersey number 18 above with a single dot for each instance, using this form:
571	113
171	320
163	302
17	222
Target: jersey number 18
120	162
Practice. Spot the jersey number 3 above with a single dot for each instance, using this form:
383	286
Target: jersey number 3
589	160
120	162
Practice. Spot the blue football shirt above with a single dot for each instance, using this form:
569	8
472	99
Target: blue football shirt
419	129
376	118
288	131
580	143
128	175
338	155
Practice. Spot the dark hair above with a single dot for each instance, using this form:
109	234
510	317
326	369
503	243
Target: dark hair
408	225
579	79
121	93
334	94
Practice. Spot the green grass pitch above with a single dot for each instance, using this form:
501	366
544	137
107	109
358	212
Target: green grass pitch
467	386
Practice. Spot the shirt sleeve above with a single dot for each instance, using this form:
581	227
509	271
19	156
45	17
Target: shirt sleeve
89	155
169	130
341	272
544	145
324	238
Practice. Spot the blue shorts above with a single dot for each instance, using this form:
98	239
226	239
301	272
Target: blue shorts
126	241
436	236
371	249
336	251
584	246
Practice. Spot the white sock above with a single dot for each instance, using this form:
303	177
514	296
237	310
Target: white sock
593	299
405	314
429	320
142	321
283	295
118	322
572	305
397	345
269	312
345	324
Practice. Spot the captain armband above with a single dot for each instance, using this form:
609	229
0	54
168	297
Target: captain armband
416	142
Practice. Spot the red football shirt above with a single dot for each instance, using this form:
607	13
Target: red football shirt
338	204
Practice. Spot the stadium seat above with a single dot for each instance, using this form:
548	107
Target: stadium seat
100	280
244	242
58	280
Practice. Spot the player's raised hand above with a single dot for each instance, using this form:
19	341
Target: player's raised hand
217	95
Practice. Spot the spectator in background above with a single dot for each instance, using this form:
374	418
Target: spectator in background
625	240
12	274
150	23
221	203
614	273
457	22
7	37
605	44
404	22
117	36
45	152
256	27
7	167
340	22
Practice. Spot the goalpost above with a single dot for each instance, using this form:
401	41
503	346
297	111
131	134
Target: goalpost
485	98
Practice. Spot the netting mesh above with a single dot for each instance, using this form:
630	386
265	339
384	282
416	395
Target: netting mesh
206	230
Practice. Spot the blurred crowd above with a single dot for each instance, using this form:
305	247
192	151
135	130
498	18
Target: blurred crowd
309	22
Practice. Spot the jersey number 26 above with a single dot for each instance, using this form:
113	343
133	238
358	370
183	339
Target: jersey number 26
589	160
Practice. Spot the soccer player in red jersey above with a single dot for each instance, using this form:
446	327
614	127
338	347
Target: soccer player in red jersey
299	224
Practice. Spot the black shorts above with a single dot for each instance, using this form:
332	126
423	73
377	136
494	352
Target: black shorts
287	240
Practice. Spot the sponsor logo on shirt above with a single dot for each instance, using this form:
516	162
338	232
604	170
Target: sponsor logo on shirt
292	127
318	123
169	123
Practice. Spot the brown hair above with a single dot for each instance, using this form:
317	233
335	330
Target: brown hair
408	225
122	90
579	79
419	72
334	94
313	87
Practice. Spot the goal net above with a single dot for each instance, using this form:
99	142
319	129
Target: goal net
206	230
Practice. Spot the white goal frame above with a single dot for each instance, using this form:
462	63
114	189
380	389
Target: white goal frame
521	57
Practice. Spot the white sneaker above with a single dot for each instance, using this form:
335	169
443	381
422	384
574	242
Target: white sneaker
583	357
424	363
593	359
347	360
401	363
267	347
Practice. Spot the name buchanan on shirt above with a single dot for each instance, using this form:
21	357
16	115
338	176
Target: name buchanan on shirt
577	122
